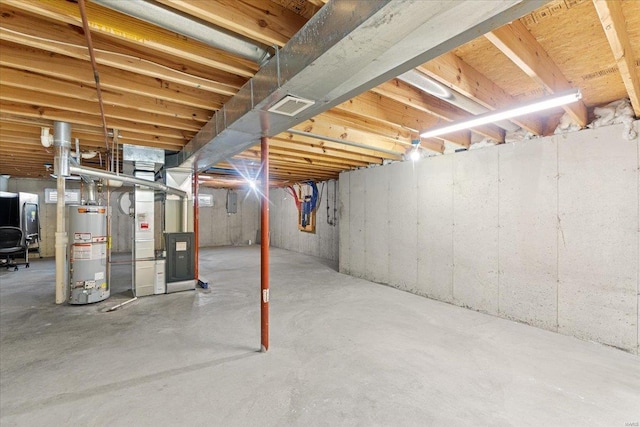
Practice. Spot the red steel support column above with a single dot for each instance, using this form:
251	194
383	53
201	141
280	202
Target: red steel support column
264	246
196	222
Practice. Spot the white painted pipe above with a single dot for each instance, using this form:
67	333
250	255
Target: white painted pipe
115	307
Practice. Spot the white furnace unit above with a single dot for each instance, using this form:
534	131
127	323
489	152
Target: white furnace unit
88	274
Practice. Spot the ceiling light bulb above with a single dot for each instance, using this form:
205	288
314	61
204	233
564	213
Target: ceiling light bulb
415	155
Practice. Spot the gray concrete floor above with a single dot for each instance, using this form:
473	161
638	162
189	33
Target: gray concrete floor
344	351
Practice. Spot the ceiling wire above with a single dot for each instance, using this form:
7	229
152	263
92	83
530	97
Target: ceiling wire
96	75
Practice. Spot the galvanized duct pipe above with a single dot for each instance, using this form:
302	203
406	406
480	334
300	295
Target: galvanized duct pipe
173	20
98	173
62	147
90	192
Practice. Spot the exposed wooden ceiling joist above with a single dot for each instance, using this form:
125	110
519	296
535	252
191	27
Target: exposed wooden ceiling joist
29	81
264	22
453	72
615	28
159	95
65	68
517	43
116	25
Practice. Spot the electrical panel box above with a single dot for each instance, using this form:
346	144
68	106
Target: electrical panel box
232	202
180	261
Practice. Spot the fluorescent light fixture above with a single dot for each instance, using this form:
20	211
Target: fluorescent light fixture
561	98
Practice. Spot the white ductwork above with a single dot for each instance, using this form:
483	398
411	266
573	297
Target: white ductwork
174	20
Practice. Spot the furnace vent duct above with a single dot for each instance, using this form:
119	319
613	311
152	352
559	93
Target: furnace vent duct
62	144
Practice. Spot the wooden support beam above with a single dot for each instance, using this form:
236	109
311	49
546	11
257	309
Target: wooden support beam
87	132
30	81
409	95
21	29
453	72
521	47
111	79
331	145
265	22
317	148
116	25
321	126
614	25
254	154
37	112
29	97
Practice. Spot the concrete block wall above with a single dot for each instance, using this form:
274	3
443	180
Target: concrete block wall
545	232
283	222
217	228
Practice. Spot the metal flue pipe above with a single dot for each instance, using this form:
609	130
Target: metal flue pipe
62	147
264	246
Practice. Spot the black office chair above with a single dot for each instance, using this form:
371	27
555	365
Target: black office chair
13	243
